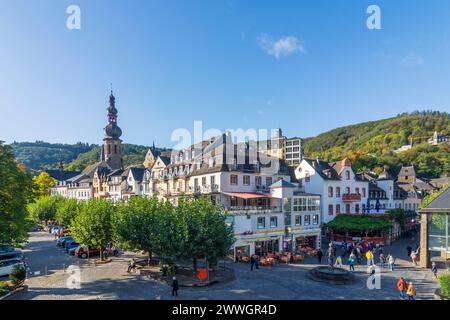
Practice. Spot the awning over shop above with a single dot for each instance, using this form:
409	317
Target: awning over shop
247	195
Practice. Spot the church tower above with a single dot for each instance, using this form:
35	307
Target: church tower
112	145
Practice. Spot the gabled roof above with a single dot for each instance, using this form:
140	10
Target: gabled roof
407	171
440	182
138	173
324	169
440	204
101	167
282	184
62	175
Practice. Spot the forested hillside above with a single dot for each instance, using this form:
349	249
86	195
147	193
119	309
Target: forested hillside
371	145
43	155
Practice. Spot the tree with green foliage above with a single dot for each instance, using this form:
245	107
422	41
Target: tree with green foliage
66	211
208	236
16	191
136	224
43	184
92	225
44	208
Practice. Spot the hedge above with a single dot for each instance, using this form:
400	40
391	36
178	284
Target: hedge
444	281
359	223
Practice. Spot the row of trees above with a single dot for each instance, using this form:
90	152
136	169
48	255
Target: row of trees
195	229
16	192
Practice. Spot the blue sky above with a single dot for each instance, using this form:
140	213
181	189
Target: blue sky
305	66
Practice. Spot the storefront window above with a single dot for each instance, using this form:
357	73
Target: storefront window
438	232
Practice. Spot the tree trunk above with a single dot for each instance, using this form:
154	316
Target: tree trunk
149	257
101	253
194	265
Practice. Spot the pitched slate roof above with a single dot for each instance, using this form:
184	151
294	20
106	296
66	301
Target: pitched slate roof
407	171
138	173
282	183
325	170
440	182
102	167
441	203
62	175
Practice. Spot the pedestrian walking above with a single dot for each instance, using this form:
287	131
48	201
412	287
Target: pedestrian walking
174	287
351	262
252	262
391	262
132	266
382	260
411	291
257	262
369	257
338	262
409	250
401	286
434	269
414	258
319	256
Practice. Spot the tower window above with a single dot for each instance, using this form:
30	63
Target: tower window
115	148
109	149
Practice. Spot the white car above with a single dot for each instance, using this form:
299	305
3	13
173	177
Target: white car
6	266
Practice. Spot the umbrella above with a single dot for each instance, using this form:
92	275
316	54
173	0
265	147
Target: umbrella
368	205
377	205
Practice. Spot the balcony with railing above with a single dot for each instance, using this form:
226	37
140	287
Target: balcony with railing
244	210
351	197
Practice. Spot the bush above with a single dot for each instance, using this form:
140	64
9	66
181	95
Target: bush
444	281
3	288
18	275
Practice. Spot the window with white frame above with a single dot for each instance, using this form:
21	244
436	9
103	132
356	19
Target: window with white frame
261	222
273	222
246	180
298	220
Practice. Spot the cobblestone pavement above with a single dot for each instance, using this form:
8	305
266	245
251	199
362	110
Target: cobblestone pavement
111	281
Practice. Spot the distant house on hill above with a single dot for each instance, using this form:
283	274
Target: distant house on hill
438	138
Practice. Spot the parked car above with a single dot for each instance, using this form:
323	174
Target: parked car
6	266
82	252
36	228
71	251
62	241
7	255
71	244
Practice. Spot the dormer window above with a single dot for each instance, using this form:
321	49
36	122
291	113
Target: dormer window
347	175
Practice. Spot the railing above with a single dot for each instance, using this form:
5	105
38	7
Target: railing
351	197
253	209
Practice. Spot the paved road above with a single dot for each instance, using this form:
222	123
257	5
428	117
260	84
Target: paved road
111	281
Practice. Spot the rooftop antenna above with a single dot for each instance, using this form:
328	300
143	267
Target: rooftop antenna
110	84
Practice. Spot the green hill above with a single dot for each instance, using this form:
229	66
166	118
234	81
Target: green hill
43	155
132	155
371	144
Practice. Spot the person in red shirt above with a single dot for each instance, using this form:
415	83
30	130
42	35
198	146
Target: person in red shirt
401	286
